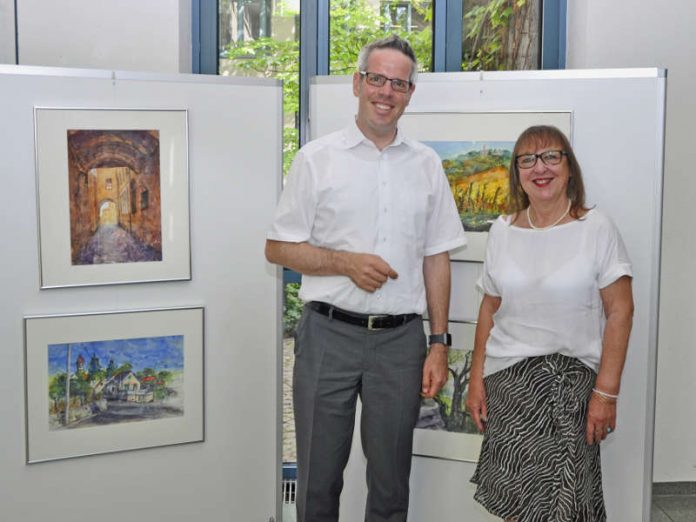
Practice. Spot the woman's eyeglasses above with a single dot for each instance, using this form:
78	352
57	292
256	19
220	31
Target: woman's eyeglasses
548	157
378	80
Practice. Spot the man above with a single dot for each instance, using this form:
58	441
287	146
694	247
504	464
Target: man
368	219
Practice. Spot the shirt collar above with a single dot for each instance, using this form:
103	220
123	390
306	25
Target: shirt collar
353	136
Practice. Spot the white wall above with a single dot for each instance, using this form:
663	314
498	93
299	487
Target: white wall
7	32
152	35
626	33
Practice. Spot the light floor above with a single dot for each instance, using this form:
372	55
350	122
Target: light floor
675	502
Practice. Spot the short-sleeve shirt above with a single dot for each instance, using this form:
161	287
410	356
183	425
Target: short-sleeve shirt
343	193
549	282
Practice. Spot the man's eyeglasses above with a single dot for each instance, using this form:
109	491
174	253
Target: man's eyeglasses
548	157
378	80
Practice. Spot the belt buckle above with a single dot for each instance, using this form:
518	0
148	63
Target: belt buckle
370	322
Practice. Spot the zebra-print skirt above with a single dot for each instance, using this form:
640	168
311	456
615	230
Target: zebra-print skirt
535	465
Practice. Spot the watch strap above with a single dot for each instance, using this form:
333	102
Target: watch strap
443	338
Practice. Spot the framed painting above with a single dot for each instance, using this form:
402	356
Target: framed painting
444	428
113	196
476	150
114	381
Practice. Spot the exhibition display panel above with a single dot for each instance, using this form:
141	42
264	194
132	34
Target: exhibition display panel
616	126
166	182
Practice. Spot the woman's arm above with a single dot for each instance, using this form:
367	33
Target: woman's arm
617	299
476	396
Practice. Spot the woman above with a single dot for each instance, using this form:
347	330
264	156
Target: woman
550	343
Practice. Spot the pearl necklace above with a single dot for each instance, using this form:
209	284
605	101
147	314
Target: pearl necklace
529	219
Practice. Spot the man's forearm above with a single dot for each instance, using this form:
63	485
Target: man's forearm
307	259
436	274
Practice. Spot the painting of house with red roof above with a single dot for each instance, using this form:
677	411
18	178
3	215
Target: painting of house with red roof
143	380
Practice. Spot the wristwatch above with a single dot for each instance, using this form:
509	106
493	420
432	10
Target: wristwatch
443	338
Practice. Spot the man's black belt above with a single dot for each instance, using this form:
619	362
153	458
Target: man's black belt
371	322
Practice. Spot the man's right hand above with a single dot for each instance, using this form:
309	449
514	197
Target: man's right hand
368	271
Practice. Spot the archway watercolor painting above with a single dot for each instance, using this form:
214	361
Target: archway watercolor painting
96	383
114	179
113	381
113	194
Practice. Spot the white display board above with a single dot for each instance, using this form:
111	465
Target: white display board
234	166
617	134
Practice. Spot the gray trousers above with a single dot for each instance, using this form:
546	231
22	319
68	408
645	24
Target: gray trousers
334	363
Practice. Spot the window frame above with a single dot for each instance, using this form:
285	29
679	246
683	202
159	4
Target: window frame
314	41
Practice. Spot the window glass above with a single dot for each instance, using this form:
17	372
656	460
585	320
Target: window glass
354	23
501	35
261	38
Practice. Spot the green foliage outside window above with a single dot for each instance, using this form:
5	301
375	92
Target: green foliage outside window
292	308
499	35
355	23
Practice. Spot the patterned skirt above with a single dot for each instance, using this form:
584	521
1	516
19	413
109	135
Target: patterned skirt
535	465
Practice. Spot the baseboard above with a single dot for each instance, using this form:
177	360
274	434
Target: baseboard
674	488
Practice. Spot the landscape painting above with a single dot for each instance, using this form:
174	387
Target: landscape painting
104	382
115	381
476	150
477	173
446	411
114	180
445	428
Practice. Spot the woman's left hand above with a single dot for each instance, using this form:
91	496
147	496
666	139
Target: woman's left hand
601	419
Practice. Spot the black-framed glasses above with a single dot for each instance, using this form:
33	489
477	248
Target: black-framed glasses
548	157
378	80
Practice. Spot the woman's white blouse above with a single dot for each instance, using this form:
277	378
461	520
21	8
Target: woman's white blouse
549	282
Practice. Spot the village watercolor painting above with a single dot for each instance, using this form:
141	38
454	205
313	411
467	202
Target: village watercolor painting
477	172
115	381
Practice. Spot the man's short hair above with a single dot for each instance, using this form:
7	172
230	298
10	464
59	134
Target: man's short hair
390	42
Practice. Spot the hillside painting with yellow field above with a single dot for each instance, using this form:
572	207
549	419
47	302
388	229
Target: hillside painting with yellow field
477	172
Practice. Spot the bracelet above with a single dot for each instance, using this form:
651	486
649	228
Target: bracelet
605	395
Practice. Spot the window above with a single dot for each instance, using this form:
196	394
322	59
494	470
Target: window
354	23
261	38
501	35
133	192
144	199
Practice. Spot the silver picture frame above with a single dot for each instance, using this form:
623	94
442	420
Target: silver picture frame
136	380
112	195
441	432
